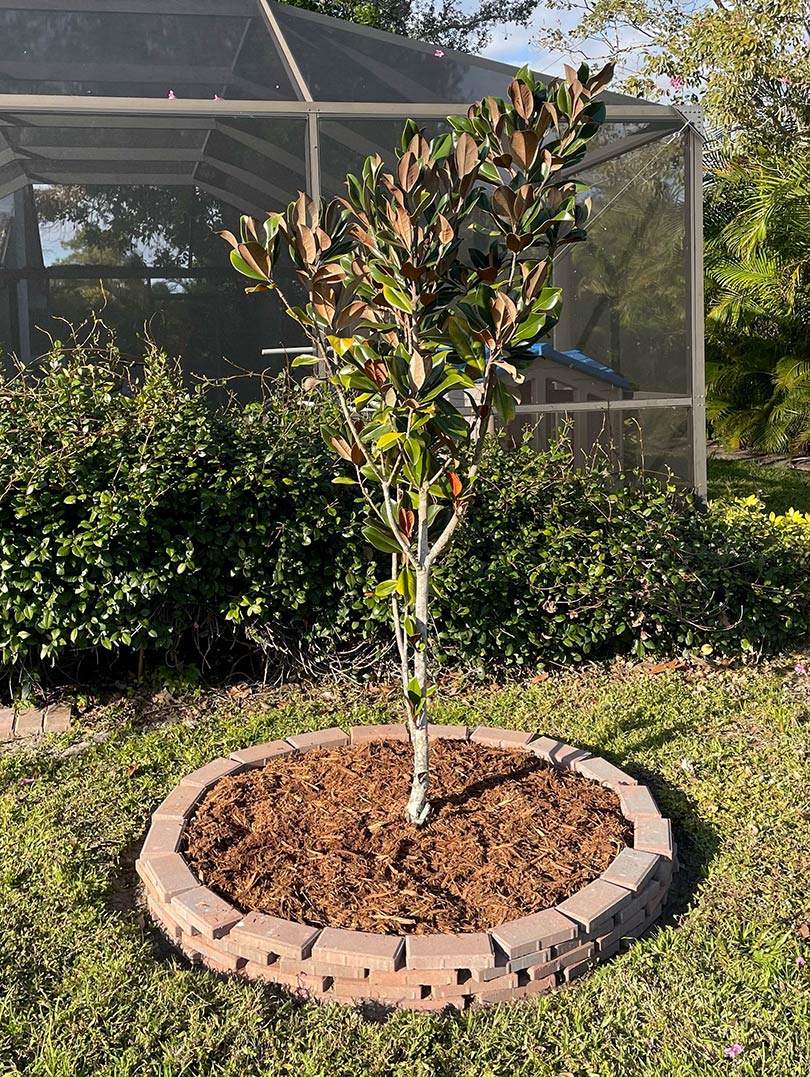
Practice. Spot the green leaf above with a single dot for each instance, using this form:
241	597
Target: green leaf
305	360
397	298
389	439
380	539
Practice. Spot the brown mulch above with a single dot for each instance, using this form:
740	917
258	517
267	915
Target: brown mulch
321	838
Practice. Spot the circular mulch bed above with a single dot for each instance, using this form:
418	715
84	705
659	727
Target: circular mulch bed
321	838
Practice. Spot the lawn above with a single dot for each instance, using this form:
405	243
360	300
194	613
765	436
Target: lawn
89	988
781	488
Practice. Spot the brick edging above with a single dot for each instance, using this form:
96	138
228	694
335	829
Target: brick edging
514	960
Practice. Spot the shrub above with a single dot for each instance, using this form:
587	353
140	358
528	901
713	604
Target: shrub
134	514
611	566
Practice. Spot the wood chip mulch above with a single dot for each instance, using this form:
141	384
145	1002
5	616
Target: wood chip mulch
321	838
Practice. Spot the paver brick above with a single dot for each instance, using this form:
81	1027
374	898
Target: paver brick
319	738
536	932
501	738
637	802
359	948
57	719
168	874
574	957
530	961
654	836
179	804
206	911
448	732
414	977
158	914
628	929
214	956
596	902
470	951
211	772
314	967
599	770
366	734
273	935
433	1005
163	837
557	752
28	722
573	972
298	983
258	754
454	990
632	869
6	723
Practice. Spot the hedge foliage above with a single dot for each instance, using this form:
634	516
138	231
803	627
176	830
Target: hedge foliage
134	514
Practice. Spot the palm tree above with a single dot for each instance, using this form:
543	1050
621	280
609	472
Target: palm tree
758	323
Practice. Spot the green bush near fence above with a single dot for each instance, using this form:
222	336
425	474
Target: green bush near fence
133	514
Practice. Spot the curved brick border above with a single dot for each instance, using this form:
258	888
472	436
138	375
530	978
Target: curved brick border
518	959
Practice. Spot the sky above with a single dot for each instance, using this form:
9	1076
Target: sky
513	45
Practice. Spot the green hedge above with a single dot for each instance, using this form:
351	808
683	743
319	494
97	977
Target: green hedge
134	514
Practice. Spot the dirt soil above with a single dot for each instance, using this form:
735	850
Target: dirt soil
321	838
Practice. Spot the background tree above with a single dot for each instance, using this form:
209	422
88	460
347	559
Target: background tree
746	62
422	334
467	27
758	272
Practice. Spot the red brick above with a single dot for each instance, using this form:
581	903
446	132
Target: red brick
599	770
573	972
248	953
258	754
654	836
575	957
206	911
300	983
360	990
597	901
214	956
471	951
272	935
637	802
28	723
499	992
312	967
629	929
557	752
454	990
541	985
365	734
57	719
483	976
211	772
632	869
432	1005
168	874
536	932
501	738
357	948
448	732
163	838
414	977
179	804
6	723
158	914
319	738
544	959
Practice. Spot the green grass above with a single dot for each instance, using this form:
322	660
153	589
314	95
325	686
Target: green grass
781	488
88	989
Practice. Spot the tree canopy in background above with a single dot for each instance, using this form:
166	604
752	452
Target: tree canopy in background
466	27
746	61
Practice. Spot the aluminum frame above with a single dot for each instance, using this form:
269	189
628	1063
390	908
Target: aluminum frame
127	111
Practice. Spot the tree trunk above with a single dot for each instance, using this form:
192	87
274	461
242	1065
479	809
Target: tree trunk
418	808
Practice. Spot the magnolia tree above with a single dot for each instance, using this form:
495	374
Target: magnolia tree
425	292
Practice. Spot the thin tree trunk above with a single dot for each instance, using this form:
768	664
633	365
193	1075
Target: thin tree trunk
418	808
